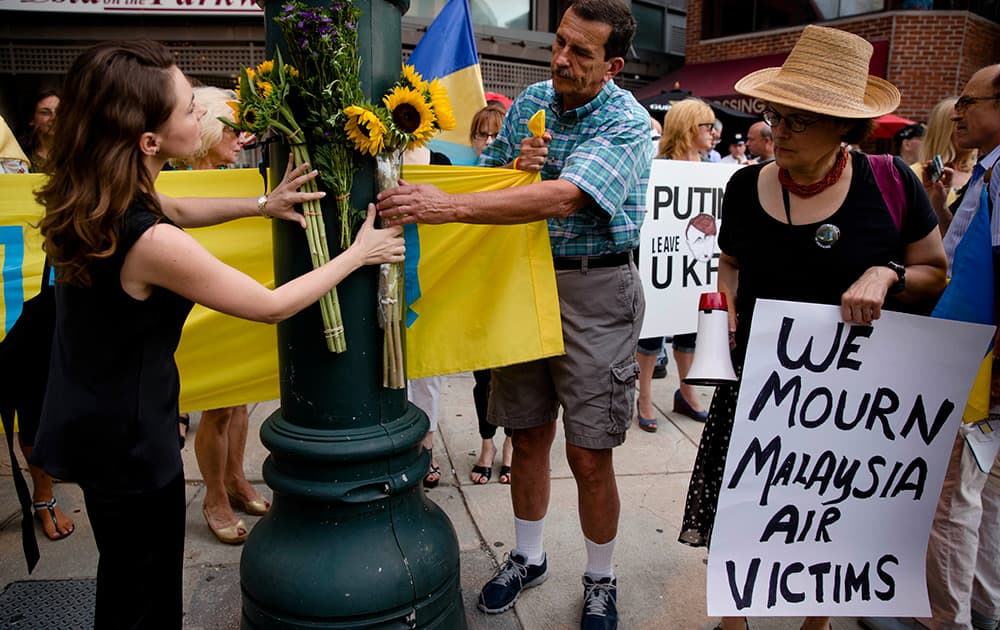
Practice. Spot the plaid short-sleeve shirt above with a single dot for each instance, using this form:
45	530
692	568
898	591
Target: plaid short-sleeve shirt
603	148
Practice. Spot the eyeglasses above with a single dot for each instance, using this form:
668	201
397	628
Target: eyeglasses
794	123
484	137
706	126
965	102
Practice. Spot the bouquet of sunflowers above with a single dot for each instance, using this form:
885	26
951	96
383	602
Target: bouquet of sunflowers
408	117
264	105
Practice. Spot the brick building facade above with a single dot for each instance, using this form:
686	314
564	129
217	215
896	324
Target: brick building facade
931	54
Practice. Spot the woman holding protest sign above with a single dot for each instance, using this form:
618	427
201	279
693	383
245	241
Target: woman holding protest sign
126	277
815	225
687	131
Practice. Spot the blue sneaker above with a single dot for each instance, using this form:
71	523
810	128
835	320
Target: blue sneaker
514	576
600	604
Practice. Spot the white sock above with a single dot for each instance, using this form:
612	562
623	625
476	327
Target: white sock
599	558
528	539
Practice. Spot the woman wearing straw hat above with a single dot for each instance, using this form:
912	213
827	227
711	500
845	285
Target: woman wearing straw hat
812	226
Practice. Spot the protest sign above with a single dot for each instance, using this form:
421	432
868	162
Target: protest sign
678	255
838	452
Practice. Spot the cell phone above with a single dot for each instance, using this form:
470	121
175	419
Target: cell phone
936	168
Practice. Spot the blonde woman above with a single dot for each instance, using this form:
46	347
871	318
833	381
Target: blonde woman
222	433
958	163
687	132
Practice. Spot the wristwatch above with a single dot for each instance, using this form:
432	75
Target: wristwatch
261	203
900	270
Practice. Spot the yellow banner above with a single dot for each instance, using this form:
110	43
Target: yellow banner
488	294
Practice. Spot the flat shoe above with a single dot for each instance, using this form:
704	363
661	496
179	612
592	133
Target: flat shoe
484	472
50	508
231	535
682	407
504	474
433	477
254	507
647	424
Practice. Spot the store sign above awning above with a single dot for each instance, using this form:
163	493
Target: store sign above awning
158	7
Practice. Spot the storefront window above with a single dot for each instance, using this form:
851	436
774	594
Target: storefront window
514	14
734	17
649	17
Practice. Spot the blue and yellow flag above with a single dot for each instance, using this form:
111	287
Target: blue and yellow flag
969	298
447	52
489	291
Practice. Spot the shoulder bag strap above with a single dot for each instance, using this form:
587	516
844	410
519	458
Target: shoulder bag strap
890	184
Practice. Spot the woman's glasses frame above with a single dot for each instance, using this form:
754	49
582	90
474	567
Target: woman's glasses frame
794	122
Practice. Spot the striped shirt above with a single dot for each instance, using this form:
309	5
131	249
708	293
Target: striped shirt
970	203
603	148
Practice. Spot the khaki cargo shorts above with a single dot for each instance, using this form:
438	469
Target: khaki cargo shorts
594	382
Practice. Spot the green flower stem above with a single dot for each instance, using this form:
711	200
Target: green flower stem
333	326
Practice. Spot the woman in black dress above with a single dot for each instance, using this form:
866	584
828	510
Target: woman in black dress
126	277
812	226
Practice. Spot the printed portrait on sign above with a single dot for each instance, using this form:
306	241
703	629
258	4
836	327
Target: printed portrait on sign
700	236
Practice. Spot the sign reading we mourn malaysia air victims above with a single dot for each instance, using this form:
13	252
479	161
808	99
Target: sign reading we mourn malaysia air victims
678	255
839	447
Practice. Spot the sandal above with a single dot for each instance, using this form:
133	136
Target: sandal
50	507
183	420
504	477
255	507
433	477
647	424
233	534
484	472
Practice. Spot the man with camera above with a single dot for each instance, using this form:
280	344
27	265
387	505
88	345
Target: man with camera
963	574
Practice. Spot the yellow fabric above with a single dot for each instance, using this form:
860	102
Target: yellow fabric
536	124
487	293
465	91
495	305
9	148
978	406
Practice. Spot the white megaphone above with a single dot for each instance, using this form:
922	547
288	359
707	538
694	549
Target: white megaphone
712	364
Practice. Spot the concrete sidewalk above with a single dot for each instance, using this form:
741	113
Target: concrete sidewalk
661	582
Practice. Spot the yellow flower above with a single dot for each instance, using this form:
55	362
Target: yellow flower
441	105
411	114
364	129
265	89
251	74
413	78
291	71
235	106
265	67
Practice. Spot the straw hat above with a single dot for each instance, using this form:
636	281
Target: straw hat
826	73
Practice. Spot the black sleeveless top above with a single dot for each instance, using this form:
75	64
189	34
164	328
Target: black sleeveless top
109	420
784	262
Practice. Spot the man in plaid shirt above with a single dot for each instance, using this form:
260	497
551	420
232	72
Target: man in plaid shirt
594	161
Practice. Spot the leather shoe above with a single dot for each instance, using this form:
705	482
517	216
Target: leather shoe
682	407
232	535
254	507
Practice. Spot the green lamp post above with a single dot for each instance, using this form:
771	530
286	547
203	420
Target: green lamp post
350	540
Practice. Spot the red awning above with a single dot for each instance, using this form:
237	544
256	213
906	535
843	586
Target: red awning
717	80
888	125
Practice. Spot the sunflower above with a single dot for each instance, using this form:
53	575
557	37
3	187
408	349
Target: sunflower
411	115
235	106
291	71
265	67
265	89
413	79
365	129
441	105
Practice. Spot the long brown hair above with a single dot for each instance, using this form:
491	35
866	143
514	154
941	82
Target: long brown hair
114	93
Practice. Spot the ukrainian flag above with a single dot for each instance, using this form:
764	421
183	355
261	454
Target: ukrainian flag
447	52
969	298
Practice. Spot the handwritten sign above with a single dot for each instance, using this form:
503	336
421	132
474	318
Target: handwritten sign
839	448
678	255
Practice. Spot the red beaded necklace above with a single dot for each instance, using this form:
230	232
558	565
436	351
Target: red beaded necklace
808	190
